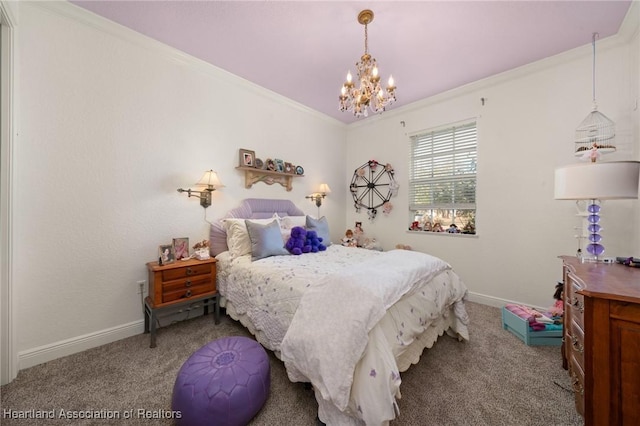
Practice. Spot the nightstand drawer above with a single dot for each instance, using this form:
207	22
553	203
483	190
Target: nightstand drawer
186	283
189	271
185	293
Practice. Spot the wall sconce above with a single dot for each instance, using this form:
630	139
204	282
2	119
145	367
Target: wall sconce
323	190
209	182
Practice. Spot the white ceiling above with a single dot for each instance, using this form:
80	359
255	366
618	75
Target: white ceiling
303	49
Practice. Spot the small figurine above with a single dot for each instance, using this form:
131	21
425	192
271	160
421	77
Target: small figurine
557	310
593	154
453	229
348	240
437	227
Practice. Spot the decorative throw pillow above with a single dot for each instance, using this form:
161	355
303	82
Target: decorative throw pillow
266	240
238	240
321	226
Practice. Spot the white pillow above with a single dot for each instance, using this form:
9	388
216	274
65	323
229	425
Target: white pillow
238	240
288	222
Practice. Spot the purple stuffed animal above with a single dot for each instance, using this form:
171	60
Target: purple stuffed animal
296	243
315	242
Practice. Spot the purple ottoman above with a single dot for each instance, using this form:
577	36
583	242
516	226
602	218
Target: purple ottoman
225	382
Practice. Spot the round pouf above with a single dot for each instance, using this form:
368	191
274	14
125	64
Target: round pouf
225	382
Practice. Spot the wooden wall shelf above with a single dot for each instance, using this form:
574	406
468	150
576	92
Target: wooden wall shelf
253	175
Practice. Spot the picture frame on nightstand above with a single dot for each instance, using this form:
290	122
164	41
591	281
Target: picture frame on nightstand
181	248
166	254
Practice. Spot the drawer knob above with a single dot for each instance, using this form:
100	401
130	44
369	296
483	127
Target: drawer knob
189	271
188	293
187	283
575	302
577	345
575	383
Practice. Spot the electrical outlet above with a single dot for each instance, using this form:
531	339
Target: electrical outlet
141	286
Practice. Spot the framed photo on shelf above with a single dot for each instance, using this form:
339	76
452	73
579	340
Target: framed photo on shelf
288	168
270	164
247	158
279	165
166	254
181	248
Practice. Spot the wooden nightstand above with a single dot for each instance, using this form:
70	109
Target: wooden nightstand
178	284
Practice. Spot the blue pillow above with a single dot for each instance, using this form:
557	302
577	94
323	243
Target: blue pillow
321	226
266	240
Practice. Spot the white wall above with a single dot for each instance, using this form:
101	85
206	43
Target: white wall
526	129
110	125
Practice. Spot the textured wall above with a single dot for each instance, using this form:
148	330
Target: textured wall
110	125
526	130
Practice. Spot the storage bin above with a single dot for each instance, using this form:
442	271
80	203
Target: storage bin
520	327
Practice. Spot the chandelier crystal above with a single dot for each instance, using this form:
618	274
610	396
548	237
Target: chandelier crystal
369	95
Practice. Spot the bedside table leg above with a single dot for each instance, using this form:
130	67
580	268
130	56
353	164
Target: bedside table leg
146	319
217	309
152	319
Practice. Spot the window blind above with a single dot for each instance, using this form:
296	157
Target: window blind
443	169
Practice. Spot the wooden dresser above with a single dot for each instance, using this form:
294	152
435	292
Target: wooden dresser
602	340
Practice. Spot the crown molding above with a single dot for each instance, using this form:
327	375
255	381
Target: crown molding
99	23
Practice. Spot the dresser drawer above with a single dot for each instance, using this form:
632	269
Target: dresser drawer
575	304
576	343
188	271
576	374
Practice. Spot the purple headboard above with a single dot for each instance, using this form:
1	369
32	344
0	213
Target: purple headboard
251	208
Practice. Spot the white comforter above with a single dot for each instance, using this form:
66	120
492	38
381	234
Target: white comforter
347	320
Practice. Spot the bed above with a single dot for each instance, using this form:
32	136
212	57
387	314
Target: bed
347	320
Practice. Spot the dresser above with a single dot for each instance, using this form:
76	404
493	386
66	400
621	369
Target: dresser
181	285
602	340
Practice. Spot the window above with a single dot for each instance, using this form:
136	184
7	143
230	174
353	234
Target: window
442	181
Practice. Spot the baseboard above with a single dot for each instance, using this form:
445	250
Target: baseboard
57	350
493	301
46	353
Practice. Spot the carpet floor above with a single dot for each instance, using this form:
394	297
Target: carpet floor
494	379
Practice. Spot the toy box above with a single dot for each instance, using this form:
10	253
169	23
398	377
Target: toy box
519	326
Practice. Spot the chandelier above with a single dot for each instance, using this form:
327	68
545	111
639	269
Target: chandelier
369	95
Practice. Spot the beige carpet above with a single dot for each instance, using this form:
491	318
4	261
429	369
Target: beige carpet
494	379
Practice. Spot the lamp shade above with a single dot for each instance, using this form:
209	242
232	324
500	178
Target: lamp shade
210	178
613	180
324	188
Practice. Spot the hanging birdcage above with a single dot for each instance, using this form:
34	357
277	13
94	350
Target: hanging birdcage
596	134
596	131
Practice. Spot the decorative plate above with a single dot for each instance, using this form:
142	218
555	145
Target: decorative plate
259	163
299	170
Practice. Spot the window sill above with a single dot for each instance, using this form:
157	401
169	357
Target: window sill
442	234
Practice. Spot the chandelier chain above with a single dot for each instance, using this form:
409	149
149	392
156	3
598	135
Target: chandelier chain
593	43
366	40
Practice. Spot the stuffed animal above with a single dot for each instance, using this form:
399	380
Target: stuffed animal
315	242
296	244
